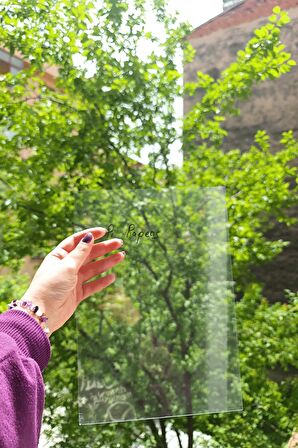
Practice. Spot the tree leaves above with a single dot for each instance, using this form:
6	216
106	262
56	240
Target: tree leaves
81	137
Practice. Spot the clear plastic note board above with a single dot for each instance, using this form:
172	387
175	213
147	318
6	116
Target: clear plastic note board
161	341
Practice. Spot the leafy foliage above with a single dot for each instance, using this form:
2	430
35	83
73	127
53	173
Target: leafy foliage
82	137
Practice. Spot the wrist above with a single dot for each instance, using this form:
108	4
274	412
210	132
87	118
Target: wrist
33	311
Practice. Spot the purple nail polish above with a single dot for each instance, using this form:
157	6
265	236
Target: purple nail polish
87	238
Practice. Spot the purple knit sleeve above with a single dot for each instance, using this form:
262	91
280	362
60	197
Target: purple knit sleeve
25	351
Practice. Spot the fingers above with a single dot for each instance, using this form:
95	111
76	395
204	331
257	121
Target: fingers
104	247
97	285
94	268
69	243
77	257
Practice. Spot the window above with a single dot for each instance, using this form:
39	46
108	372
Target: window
9	63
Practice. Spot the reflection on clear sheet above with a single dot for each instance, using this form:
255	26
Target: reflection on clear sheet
162	340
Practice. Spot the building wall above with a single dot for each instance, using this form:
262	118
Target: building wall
244	11
14	64
272	107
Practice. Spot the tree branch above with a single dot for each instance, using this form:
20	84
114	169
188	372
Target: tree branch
159	441
178	437
163	430
190	430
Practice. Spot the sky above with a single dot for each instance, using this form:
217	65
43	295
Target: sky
196	12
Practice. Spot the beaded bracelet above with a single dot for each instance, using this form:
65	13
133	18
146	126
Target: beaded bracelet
27	304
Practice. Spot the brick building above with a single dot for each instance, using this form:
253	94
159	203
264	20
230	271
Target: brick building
272	107
14	64
217	42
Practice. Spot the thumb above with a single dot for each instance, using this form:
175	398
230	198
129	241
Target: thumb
79	254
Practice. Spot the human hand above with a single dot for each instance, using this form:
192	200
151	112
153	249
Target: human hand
59	285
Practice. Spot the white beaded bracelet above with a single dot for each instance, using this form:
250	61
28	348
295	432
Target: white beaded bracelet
27	304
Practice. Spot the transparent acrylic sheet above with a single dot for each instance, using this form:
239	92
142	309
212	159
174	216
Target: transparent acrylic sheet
161	341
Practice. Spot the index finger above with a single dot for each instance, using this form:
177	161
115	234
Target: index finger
71	241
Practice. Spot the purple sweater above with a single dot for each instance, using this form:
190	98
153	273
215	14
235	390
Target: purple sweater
25	351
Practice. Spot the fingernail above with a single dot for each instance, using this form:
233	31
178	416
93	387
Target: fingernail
123	252
87	238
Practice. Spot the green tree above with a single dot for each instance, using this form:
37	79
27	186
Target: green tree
87	130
